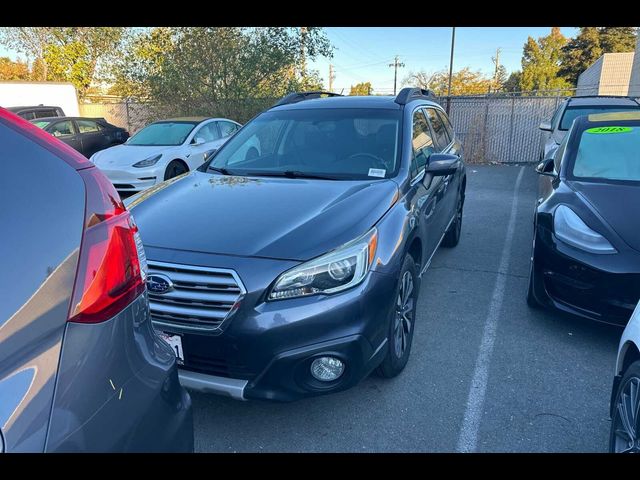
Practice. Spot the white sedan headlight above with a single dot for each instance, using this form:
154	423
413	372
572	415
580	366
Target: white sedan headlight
338	270
147	162
570	228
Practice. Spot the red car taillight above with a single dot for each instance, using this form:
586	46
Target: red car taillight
109	275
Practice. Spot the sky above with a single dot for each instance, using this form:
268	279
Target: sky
364	53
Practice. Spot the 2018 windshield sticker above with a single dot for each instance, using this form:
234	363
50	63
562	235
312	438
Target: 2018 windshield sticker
610	129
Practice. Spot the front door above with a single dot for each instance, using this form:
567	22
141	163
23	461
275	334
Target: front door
66	131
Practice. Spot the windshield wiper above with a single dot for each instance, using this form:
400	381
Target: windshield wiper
292	174
221	170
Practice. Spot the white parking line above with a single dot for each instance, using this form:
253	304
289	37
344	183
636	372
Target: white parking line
468	438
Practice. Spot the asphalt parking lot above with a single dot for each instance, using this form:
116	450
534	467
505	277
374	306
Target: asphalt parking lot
486	373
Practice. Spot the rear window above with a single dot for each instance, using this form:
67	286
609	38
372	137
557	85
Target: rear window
571	113
609	153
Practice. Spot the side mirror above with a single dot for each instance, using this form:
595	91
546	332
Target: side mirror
441	164
209	154
197	141
545	126
545	167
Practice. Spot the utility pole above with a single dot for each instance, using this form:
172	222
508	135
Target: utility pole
303	59
332	77
453	42
496	60
396	63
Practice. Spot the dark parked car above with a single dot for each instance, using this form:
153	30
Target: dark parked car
293	269
81	368
586	245
35	112
86	135
573	107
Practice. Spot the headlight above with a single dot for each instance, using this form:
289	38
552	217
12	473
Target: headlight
147	162
338	270
570	228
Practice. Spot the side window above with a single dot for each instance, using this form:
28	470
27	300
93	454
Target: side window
28	115
87	126
421	141
61	129
208	132
556	116
447	124
439	130
227	128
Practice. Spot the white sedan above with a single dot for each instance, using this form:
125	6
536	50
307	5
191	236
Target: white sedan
625	394
163	150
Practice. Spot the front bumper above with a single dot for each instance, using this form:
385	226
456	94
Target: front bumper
605	288
265	349
134	179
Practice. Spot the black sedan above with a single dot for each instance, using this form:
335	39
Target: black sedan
586	245
86	135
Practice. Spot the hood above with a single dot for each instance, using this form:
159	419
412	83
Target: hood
617	204
126	155
292	219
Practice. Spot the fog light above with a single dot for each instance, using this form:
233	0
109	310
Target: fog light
327	369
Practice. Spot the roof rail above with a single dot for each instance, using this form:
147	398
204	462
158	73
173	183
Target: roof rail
407	94
296	97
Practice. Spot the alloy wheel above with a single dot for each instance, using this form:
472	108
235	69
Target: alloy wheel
626	418
404	315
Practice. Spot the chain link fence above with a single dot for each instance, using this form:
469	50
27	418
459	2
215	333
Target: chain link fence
492	129
133	115
500	129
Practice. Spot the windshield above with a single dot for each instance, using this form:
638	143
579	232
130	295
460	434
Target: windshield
609	152
41	124
329	143
163	133
571	113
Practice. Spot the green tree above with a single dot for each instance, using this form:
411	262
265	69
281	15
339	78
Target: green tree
30	41
80	55
618	39
363	88
463	82
10	70
541	64
206	70
579	53
512	83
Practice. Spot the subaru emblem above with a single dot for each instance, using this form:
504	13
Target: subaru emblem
158	283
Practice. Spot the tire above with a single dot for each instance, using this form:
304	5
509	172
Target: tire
531	299
175	168
627	398
401	327
452	237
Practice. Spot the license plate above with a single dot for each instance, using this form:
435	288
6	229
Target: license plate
175	342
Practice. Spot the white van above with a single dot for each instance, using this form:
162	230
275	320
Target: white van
40	94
